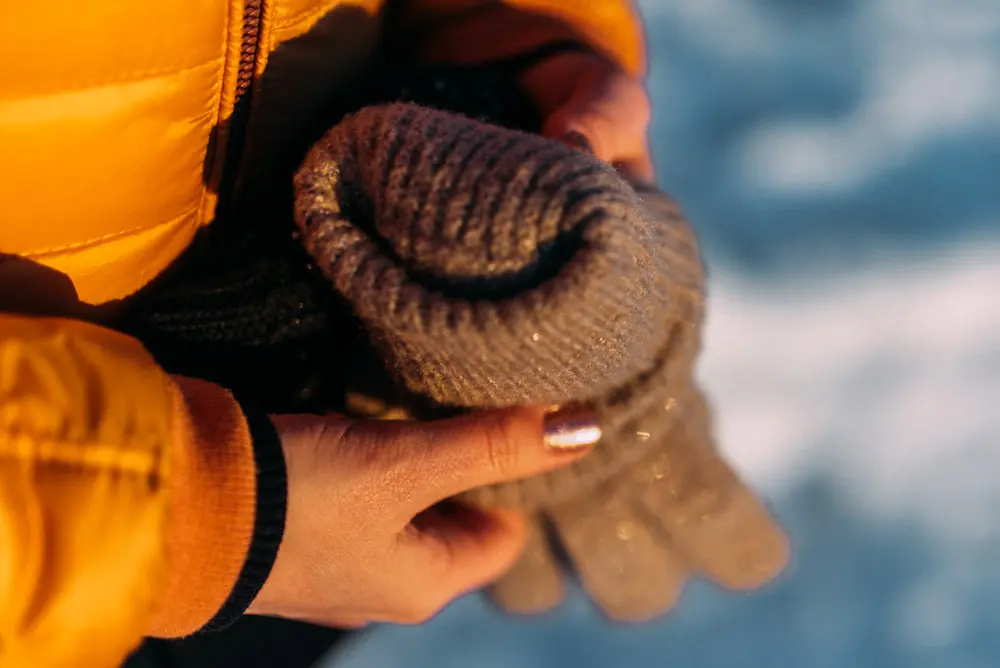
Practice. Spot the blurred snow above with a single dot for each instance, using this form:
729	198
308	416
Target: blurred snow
919	88
887	380
800	135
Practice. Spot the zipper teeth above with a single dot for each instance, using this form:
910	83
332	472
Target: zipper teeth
248	46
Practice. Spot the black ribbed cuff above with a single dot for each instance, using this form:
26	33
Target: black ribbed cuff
269	520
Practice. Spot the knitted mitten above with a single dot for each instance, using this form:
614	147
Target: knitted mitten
491	267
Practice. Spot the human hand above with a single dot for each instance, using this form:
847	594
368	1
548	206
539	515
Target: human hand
366	537
589	102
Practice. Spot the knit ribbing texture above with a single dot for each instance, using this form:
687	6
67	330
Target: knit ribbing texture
497	268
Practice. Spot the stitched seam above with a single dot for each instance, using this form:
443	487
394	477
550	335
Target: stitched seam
87	456
306	16
130	77
78	245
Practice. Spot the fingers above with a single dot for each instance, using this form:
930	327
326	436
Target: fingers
440	459
356	546
622	147
502	446
612	112
453	549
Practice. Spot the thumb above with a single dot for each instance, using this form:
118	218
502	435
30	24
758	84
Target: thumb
611	115
447	457
624	149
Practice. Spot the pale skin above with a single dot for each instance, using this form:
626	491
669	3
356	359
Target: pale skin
366	539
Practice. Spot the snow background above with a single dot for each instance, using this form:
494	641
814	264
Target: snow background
840	159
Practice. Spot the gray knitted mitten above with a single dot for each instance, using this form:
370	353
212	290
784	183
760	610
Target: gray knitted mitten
492	267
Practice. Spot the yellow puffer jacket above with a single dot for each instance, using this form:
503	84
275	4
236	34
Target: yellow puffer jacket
127	497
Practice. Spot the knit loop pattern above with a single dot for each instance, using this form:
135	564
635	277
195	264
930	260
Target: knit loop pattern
494	267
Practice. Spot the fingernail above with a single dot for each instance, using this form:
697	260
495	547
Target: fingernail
578	141
571	429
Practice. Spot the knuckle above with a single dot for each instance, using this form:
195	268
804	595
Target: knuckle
370	447
502	449
344	440
372	463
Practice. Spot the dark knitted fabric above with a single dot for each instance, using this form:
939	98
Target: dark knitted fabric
453	264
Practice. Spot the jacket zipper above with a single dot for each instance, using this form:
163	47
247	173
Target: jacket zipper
249	44
238	120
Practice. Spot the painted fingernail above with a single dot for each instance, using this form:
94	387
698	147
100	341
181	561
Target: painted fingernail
578	141
571	429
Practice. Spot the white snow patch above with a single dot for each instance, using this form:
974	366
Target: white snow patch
932	73
746	32
889	378
911	101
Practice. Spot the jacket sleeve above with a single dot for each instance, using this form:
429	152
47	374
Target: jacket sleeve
127	497
470	31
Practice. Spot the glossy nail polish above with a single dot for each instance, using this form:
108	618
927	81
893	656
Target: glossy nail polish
571	429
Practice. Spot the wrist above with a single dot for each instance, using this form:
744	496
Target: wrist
269	521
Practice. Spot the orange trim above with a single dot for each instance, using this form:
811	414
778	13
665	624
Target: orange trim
213	502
